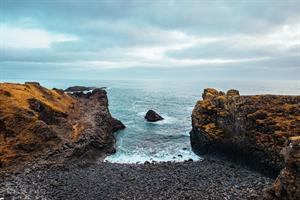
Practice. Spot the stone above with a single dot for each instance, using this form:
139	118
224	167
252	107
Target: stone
32	83
152	116
79	89
117	125
210	93
232	92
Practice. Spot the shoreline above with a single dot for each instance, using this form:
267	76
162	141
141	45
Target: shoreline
74	168
208	179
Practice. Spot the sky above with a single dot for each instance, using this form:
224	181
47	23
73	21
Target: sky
168	39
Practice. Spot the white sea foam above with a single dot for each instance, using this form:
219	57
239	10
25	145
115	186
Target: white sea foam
189	108
167	119
139	156
141	113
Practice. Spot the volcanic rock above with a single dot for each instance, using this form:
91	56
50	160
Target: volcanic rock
152	116
36	122
232	92
287	184
79	89
32	83
251	130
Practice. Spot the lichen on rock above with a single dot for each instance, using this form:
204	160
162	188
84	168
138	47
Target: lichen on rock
38	124
251	130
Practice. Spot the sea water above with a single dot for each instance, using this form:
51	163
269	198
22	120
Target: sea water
166	140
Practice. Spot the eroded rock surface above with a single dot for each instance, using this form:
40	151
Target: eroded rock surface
251	130
41	125
287	184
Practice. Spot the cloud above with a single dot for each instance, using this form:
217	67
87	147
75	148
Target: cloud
14	37
91	36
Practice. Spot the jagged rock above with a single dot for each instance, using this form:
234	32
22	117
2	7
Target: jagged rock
32	83
251	130
36	123
79	89
287	184
41	129
152	116
209	93
232	92
46	113
117	125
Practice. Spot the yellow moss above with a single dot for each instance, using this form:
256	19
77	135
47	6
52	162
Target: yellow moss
14	106
77	130
21	93
213	131
294	138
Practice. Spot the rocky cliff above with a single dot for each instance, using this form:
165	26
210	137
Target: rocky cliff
252	130
287	184
50	126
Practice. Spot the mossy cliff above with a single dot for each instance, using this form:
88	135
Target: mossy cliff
252	130
42	125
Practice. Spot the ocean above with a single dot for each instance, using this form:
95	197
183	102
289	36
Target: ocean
166	140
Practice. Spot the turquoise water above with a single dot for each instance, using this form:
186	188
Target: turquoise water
167	140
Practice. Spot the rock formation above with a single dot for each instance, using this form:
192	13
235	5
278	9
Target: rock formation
152	116
287	184
79	89
252	130
41	125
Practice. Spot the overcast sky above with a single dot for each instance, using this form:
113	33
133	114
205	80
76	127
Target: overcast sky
150	39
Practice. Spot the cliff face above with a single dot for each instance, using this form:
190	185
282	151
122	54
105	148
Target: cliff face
287	184
37	124
252	130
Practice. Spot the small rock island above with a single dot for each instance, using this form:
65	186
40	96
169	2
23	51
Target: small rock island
152	116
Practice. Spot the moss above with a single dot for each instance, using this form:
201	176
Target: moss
17	117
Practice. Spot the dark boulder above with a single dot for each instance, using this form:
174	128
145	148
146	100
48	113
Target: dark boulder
116	125
233	92
32	83
152	116
79	89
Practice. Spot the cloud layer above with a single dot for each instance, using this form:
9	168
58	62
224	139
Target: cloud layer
90	38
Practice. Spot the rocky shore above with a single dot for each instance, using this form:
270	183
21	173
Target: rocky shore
41	126
261	132
52	142
208	179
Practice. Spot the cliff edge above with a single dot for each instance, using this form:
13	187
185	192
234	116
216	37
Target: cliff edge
50	126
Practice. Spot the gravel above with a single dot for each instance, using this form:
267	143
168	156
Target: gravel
207	179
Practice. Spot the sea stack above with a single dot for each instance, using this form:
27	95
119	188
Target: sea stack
260	131
152	116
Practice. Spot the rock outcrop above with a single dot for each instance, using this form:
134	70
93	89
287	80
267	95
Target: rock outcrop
41	125
287	184
79	89
252	130
152	116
